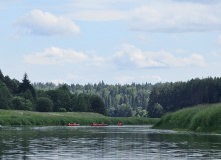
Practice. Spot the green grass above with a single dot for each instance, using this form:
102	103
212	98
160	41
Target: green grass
201	118
20	118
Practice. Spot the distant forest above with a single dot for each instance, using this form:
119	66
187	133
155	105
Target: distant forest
138	100
120	100
112	100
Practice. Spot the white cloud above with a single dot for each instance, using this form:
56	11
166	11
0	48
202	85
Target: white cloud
150	78
215	54
96	10
131	56
151	16
124	79
174	16
55	55
96	58
38	22
98	15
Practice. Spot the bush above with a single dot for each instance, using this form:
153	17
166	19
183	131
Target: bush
62	110
44	104
21	103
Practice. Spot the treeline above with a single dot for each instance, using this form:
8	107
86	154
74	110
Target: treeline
23	96
120	100
169	97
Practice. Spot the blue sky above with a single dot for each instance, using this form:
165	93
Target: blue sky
117	41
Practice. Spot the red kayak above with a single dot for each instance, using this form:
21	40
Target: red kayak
74	124
120	124
102	124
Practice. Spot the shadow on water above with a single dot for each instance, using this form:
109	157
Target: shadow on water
112	142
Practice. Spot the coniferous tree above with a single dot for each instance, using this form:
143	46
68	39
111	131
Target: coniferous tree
26	85
97	105
2	78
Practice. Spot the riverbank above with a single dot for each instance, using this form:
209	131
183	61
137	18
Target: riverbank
21	118
201	118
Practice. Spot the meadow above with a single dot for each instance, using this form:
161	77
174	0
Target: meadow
200	118
22	118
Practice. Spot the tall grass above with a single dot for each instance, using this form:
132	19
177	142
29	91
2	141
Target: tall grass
12	117
201	118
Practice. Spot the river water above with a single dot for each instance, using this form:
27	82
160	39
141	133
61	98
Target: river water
110	142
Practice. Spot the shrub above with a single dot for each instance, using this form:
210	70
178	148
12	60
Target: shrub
62	110
44	104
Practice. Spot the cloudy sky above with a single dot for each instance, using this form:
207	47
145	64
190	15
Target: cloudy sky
117	41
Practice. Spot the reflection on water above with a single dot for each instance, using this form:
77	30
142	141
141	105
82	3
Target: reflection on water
111	142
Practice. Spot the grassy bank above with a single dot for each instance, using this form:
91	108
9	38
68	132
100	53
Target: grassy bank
201	118
15	117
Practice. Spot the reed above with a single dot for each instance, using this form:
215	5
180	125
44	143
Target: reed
201	118
21	118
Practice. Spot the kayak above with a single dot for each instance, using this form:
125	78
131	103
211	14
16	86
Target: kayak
120	124
74	124
101	124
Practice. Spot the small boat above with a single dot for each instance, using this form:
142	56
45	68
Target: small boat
74	124
100	124
120	124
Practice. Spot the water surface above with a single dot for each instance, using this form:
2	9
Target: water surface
111	142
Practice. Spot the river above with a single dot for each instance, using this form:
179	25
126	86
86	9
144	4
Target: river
110	142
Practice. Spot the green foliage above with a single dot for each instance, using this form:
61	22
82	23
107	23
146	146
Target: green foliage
61	98
141	113
20	103
178	95
157	110
62	110
113	96
26	85
44	104
41	93
11	84
2	78
5	97
201	118
82	104
123	110
97	105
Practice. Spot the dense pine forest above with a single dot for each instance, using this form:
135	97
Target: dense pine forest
134	100
120	100
169	97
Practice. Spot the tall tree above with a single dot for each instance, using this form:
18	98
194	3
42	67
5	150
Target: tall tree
26	85
97	105
2	78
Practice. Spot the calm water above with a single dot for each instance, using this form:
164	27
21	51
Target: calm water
111	142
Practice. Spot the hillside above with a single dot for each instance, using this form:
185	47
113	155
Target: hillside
200	118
